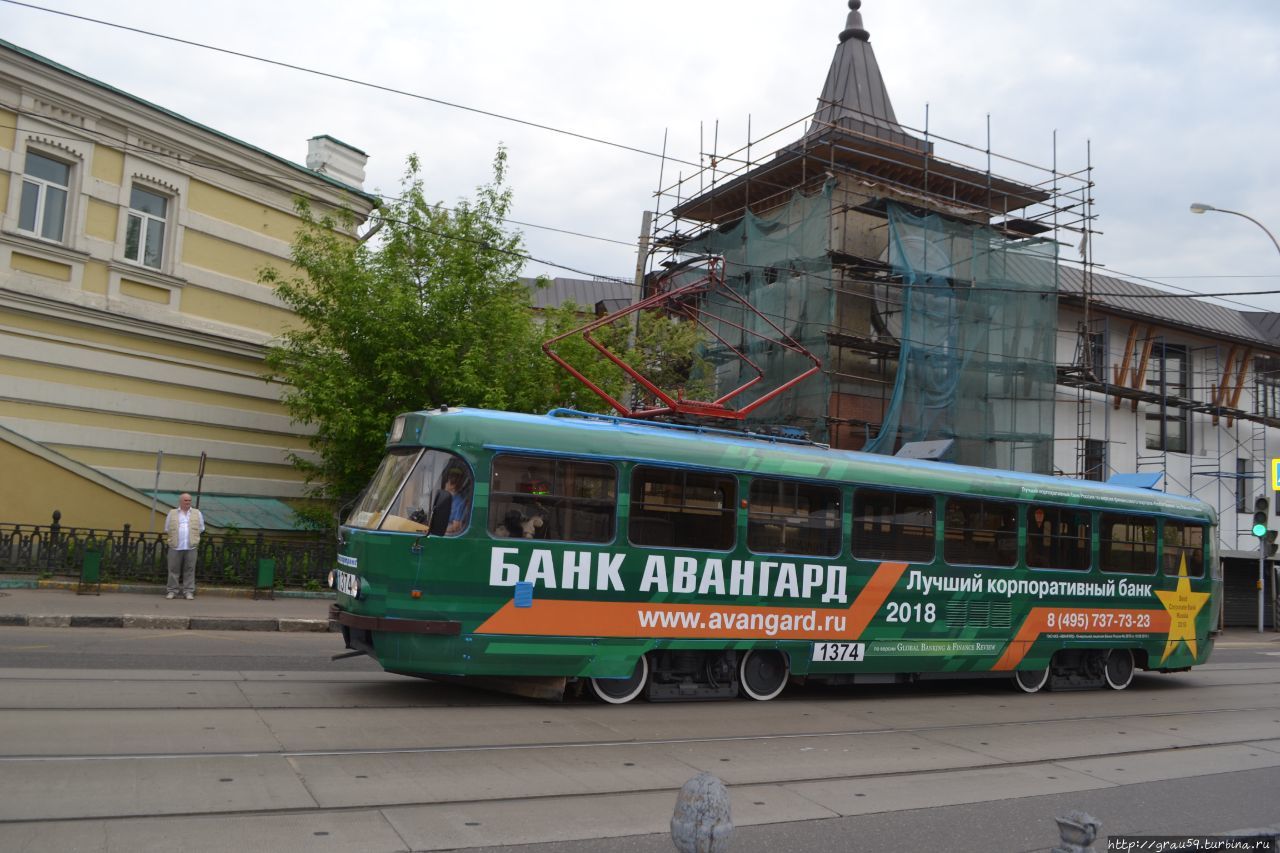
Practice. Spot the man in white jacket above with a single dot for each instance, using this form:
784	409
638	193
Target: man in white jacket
182	528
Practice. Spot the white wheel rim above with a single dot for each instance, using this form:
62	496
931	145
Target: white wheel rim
1120	684
1037	685
745	685
642	666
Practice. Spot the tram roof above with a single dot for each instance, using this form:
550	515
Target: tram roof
614	439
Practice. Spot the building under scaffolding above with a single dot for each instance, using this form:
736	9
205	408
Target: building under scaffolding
945	301
926	288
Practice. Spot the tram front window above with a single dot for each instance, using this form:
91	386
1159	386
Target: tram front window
417	492
383	489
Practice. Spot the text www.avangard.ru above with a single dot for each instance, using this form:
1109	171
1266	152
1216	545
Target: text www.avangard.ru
770	624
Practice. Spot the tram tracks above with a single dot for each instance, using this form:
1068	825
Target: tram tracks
920	730
453	768
1271	758
421	699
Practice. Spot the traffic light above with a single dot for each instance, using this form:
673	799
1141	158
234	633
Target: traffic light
1260	507
1266	538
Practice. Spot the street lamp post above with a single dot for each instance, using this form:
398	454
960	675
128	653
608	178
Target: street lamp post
1201	207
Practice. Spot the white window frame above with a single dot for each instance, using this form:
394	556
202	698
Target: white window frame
158	179
146	222
43	186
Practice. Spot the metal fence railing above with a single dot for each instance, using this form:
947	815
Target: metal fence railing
302	561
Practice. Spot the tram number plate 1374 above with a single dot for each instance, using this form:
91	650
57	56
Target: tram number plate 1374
837	652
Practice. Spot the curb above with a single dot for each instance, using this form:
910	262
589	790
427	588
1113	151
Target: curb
233	623
168	623
157	589
171	623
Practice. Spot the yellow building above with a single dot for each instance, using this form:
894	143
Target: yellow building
132	323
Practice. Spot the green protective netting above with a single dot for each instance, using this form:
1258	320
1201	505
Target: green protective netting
977	315
781	265
978	324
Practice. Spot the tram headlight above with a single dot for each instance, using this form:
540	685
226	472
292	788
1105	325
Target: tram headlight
331	579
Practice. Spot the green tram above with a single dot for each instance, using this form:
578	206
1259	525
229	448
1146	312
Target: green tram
548	554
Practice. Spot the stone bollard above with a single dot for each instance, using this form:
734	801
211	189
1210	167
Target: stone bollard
702	822
1078	831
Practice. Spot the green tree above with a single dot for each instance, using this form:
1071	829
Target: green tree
667	352
429	313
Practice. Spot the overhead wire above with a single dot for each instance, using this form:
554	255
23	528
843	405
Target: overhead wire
253	177
541	126
585	137
352	80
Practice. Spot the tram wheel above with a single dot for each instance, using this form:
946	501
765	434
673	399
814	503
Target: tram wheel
1031	680
762	674
1119	668
619	691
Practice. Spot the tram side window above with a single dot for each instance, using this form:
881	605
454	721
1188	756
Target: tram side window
1128	544
682	509
980	532
533	497
1183	541
1059	538
786	517
892	526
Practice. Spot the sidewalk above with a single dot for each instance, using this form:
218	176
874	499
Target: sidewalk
55	604
1243	638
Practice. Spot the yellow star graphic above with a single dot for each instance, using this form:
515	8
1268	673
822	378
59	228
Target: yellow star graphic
1183	605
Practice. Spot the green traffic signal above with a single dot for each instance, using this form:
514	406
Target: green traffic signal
1260	529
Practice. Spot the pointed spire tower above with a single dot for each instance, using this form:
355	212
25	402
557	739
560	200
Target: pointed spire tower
800	237
854	98
854	133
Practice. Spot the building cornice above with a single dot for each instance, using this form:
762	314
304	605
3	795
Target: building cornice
185	331
65	97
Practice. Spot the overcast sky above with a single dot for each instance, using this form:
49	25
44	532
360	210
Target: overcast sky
1180	101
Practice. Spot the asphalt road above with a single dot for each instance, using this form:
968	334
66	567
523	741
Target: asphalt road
116	648
123	648
119	740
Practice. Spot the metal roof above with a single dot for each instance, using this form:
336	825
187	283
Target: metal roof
854	96
855	131
240	512
1267	323
584	293
1160	306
